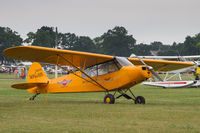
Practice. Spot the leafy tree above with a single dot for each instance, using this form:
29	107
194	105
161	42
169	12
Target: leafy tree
168	53
68	40
167	50
142	49
84	44
189	46
155	46
116	42
31	37
97	42
8	38
73	42
198	45
45	36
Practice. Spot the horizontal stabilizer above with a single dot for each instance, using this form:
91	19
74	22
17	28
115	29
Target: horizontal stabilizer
24	86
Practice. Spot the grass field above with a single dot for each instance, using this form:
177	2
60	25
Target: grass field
6	76
166	110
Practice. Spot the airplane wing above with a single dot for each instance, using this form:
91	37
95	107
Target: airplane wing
167	57
50	55
81	59
163	65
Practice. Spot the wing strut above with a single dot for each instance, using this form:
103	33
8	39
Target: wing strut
78	75
84	74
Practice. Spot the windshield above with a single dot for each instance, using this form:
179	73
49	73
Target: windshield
123	61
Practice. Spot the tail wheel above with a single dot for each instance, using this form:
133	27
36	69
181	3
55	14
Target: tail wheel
109	99
139	100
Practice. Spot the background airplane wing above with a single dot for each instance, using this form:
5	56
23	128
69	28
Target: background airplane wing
167	57
162	65
50	55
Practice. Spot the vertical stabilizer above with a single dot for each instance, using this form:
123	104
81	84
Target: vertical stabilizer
36	74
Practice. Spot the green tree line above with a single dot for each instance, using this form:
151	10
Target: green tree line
115	42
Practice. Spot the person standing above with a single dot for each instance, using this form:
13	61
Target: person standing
16	73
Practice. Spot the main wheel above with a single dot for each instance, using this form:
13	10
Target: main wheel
139	100
109	99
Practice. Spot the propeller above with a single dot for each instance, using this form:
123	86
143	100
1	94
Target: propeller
150	69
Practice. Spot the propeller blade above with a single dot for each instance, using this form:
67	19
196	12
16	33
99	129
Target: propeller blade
142	61
155	74
150	69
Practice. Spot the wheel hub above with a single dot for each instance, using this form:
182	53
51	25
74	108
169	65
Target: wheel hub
107	99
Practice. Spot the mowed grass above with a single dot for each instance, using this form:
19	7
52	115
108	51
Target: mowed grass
7	76
166	110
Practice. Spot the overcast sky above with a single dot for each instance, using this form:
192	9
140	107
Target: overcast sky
147	20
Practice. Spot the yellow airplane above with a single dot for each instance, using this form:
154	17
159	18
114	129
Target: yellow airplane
95	72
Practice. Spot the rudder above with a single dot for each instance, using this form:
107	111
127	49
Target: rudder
36	74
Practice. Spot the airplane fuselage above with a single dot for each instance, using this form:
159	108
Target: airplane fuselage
123	78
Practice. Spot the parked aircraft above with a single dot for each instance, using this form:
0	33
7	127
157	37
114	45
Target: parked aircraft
180	58
95	72
179	83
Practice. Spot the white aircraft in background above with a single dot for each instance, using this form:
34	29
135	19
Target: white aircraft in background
179	83
180	58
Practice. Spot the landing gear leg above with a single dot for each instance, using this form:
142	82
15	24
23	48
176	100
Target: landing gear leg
137	100
34	96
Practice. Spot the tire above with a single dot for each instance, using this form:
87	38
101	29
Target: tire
109	99
139	100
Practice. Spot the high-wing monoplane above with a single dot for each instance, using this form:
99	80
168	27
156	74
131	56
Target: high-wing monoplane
95	72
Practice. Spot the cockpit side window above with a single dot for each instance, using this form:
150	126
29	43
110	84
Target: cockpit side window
112	67
91	71
101	69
